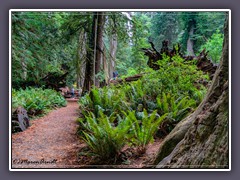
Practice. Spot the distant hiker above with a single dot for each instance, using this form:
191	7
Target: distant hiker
115	75
72	92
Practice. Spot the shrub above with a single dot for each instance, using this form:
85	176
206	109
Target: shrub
103	138
214	46
134	111
176	108
144	130
36	100
106	99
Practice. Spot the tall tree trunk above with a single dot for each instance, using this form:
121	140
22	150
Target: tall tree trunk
24	69
99	45
88	81
113	50
201	139
190	50
105	66
81	59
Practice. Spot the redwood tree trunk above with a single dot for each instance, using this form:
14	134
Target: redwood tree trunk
88	81
81	59
113	50
99	48
201	140
105	66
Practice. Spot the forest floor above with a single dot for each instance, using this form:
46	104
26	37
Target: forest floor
51	142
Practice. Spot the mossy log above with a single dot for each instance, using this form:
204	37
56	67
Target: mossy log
127	79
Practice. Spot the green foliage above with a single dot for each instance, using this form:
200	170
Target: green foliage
37	46
36	100
159	26
177	109
165	26
108	100
142	132
165	95
129	58
141	32
174	76
47	42
104	139
205	25
130	72
214	46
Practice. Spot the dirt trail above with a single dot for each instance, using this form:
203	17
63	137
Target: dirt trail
50	142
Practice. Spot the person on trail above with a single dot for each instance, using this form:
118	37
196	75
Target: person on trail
115	75
72	92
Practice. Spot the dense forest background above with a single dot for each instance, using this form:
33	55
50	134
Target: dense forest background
87	47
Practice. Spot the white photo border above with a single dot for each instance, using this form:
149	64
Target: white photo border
112	10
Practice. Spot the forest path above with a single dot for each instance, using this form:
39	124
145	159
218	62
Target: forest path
50	142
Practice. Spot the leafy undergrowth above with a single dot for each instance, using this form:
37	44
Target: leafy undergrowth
36	101
129	157
137	113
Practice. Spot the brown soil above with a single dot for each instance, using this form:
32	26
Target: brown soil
145	160
52	142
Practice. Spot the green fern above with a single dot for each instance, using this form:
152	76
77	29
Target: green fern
177	109
95	96
37	101
104	139
143	133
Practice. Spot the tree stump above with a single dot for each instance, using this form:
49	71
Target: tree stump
20	120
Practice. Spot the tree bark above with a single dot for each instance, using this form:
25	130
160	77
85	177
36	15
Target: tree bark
24	69
81	59
201	139
105	67
113	50
99	48
88	81
190	50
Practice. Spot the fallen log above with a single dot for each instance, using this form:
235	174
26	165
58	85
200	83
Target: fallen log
127	79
